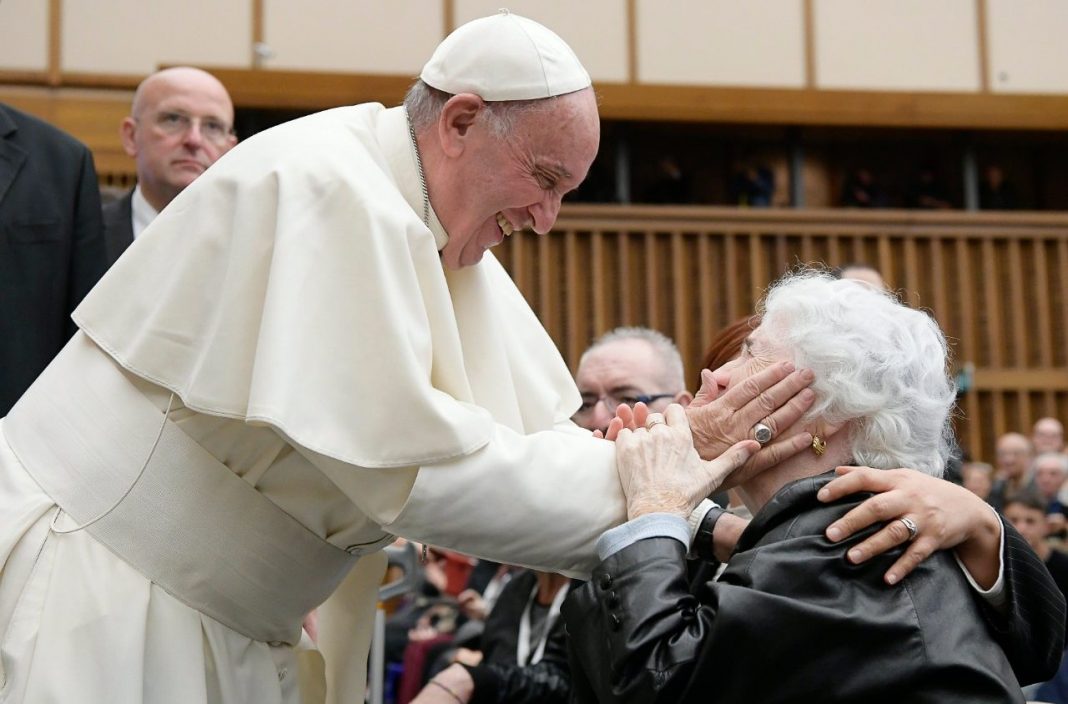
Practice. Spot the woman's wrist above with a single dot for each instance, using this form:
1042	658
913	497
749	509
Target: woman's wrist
980	553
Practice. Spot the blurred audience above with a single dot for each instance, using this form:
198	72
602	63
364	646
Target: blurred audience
180	123
978	478
928	190
51	244
995	192
1047	435
1013	468
752	185
523	653
862	272
670	184
861	191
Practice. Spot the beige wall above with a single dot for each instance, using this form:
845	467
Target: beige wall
24	35
133	37
884	45
595	29
721	42
897	45
360	36
1028	46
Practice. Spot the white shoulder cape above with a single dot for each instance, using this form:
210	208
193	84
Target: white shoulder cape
295	284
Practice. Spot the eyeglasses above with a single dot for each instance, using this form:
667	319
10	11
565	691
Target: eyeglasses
175	123
611	402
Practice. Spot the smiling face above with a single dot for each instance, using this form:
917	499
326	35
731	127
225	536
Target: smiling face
181	124
498	184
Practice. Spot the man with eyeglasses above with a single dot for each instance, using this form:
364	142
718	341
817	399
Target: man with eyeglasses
180	123
628	365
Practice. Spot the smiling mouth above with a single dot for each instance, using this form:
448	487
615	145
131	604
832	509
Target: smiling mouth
506	227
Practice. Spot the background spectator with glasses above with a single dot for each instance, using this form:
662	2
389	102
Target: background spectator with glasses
628	365
181	122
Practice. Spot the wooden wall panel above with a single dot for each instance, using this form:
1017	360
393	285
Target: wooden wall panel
997	284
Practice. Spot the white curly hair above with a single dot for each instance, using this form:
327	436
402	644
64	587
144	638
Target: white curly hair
878	363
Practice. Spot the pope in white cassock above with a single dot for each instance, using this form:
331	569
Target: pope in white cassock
280	376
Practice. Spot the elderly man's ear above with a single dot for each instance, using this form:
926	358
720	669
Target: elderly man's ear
457	117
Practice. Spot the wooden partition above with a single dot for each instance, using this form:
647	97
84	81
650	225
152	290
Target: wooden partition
997	284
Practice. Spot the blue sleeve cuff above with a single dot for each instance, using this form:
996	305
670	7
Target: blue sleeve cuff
651	525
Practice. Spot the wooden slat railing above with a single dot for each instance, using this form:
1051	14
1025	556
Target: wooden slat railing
996	282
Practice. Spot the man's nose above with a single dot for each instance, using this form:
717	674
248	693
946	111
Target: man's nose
543	215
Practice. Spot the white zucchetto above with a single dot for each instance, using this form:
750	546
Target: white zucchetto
505	57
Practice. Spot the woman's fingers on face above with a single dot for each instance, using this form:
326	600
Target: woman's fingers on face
790	412
765	393
776	452
741	394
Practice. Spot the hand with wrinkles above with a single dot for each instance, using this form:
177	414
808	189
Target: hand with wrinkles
777	396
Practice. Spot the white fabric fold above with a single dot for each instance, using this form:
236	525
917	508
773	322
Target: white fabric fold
294	285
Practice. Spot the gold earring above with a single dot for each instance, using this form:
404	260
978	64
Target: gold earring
819	445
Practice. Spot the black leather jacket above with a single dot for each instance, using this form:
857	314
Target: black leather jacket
791	620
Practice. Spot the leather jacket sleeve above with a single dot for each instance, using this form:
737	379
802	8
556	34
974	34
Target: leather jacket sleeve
810	633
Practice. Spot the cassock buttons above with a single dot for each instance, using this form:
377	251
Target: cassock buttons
606	581
613	601
617	622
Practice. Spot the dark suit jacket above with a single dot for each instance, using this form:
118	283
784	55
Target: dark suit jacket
51	244
792	621
118	226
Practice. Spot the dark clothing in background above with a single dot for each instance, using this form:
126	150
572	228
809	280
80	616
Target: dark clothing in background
118	226
51	244
499	679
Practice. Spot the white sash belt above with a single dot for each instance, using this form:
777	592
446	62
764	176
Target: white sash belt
189	524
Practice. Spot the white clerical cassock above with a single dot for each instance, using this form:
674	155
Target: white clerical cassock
272	381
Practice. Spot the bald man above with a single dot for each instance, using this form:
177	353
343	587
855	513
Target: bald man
181	122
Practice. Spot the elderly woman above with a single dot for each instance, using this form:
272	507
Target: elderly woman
792	619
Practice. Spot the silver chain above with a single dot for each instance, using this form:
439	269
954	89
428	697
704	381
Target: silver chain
419	165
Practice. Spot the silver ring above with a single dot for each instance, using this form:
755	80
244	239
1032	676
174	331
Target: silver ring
762	433
654	419
911	527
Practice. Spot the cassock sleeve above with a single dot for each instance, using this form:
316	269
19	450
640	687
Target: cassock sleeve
538	500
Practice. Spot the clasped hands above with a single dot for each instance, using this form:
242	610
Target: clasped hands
671	466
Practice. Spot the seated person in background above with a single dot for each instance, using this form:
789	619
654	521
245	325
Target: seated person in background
627	365
1027	513
1047	435
1050	471
523	657
1014	456
791	620
978	478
